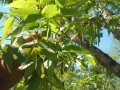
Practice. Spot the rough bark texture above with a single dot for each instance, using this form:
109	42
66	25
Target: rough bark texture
105	60
7	79
108	16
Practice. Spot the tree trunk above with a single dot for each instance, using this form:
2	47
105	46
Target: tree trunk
7	79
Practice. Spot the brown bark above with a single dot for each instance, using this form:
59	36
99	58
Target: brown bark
105	60
7	79
108	16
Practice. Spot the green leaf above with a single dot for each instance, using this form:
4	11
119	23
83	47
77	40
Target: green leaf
8	56
60	3
112	24
20	58
54	28
34	82
76	49
23	4
29	70
31	18
73	2
7	28
44	1
56	82
84	65
25	11
91	59
1	15
49	11
32	25
49	68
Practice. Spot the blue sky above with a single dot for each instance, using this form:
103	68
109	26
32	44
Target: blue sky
105	41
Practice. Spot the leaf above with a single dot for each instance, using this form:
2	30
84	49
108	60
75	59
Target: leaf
49	11
60	3
1	15
8	56
50	70
24	11
91	59
23	4
73	2
34	83
31	18
44	1
7	28
84	65
54	28
20	58
29	70
32	25
76	49
56	82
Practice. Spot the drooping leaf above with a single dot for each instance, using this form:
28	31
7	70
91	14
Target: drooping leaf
23	4
84	65
24	11
1	15
54	28
49	11
34	82
50	69
29	70
56	82
20	58
60	3
8	56
91	59
7	28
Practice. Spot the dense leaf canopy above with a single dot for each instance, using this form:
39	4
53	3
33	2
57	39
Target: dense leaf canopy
68	31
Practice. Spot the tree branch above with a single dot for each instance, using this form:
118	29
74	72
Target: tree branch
108	16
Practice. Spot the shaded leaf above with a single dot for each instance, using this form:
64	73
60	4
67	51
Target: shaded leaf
34	82
76	49
8	56
29	70
1	15
31	18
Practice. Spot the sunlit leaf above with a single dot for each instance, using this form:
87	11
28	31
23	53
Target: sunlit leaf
44	1
91	59
23	4
24	11
49	11
7	28
60	3
73	2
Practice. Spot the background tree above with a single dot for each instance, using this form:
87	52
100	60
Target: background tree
68	32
